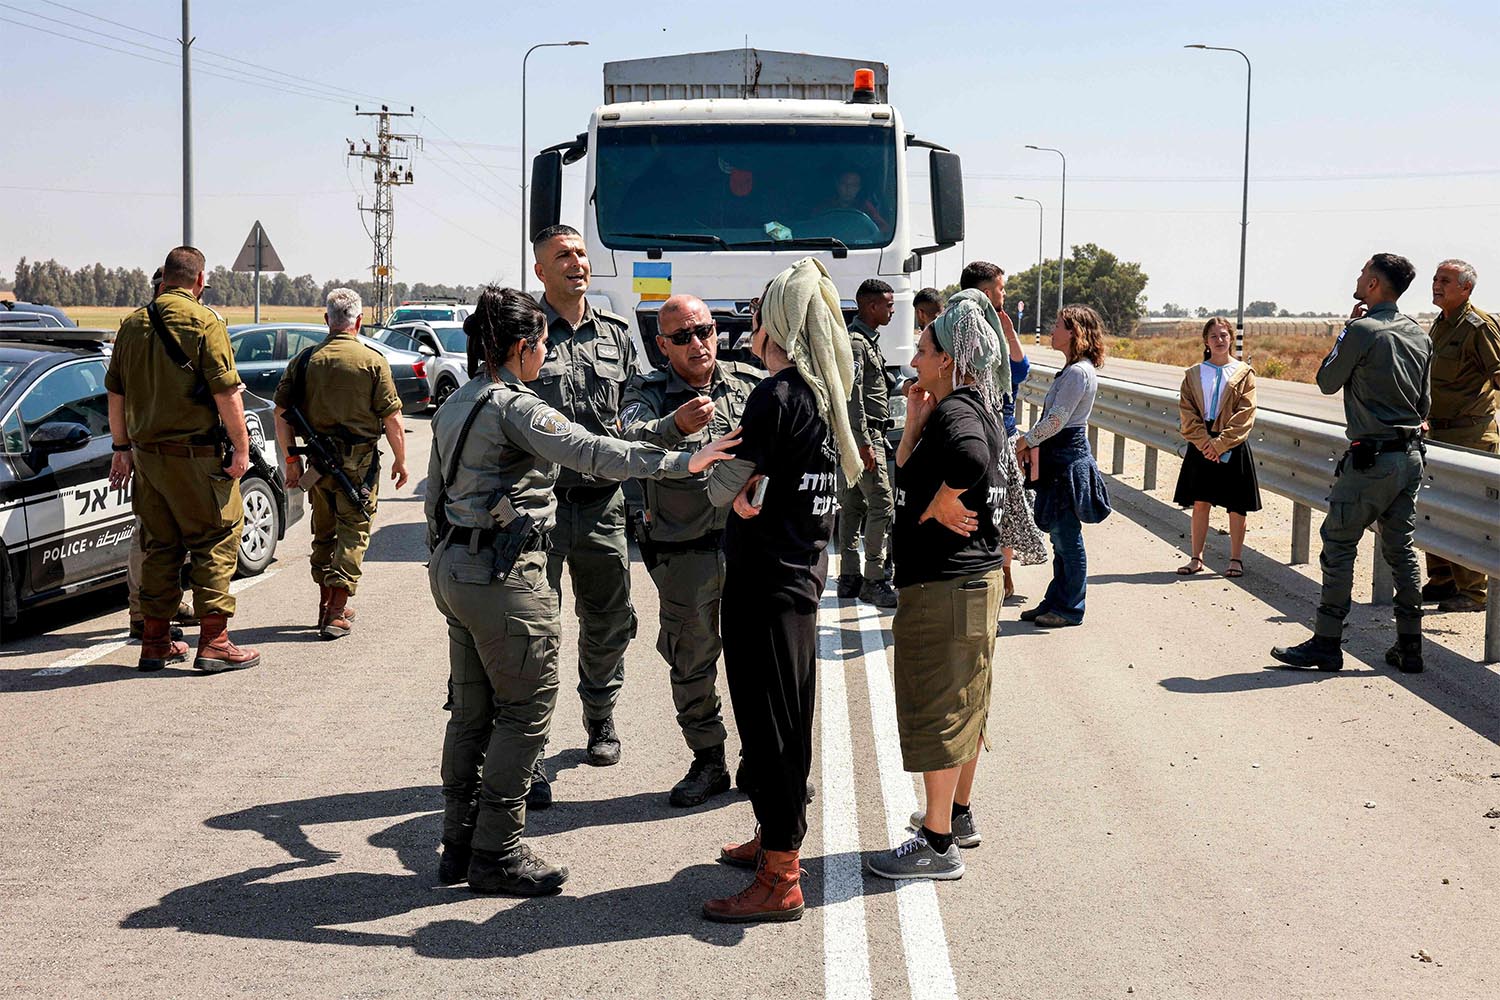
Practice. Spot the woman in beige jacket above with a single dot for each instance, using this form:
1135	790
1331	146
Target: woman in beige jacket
1217	407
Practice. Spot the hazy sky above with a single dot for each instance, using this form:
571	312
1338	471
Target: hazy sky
1374	127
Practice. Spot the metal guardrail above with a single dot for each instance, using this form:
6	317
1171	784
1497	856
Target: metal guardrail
1458	507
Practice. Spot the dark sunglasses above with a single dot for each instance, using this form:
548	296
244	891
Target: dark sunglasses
702	331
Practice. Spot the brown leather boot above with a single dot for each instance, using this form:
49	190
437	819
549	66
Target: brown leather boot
775	895
746	855
216	653
158	648
322	607
336	622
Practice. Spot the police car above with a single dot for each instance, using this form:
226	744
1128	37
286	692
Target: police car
63	529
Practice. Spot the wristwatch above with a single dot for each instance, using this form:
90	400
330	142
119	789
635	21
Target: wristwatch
120	447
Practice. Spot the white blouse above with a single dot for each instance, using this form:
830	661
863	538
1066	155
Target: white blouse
1215	380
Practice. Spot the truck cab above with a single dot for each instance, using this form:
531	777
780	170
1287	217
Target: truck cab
709	173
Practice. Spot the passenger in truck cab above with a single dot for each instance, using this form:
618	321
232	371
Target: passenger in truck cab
849	196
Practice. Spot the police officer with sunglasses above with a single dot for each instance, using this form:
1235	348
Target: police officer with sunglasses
696	399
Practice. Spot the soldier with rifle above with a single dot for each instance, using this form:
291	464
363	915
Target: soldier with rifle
339	397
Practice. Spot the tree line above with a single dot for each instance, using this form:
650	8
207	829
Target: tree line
51	283
1094	277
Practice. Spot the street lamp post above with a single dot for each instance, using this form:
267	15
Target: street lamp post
525	235
1039	213
1239	326
1062	222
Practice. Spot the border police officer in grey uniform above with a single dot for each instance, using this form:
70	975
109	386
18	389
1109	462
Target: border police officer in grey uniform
697	398
590	361
868	505
497	449
1383	362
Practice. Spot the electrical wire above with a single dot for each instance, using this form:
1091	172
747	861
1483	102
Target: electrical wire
455	225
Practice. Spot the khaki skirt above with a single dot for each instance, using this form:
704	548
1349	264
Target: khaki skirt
945	639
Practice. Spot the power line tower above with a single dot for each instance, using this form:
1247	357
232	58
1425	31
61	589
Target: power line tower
388	152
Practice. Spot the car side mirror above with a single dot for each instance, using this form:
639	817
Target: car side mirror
58	436
423	349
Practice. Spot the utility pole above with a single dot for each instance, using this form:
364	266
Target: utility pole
388	150
187	126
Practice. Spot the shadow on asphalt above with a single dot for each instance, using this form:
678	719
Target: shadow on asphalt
1466	691
302	900
404	541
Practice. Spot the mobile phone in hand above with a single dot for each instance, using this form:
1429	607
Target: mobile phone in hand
758	495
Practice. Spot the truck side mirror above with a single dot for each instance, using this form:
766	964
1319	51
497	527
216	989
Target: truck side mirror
546	190
947	177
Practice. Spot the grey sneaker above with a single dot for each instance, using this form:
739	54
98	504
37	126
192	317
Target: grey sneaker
965	833
917	859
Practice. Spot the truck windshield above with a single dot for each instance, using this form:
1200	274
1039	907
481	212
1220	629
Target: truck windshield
745	186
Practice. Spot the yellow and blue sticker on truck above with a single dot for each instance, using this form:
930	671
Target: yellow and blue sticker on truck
652	280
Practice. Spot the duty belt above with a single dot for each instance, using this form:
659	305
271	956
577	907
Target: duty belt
585	494
1440	424
483	537
180	450
703	543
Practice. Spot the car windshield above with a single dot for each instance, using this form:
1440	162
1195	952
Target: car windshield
746	186
453	339
435	313
8	373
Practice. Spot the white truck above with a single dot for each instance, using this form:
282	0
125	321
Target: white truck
710	172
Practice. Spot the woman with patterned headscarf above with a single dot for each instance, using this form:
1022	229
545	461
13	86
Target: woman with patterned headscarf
950	490
795	438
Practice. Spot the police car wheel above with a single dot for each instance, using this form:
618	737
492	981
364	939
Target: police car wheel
445	388
262	526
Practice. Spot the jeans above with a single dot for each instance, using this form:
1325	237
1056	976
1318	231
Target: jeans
1070	568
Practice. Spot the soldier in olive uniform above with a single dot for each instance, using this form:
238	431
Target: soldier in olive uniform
345	390
1465	396
696	399
497	451
867	505
1382	361
174	397
589	362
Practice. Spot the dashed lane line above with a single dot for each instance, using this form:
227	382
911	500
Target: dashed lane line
846	952
108	644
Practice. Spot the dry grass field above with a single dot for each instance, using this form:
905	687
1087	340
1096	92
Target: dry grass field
108	317
1294	357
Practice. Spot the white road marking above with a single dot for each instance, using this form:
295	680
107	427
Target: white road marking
107	645
928	969
846	952
110	643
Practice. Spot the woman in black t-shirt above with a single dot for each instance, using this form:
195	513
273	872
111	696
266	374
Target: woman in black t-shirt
950	485
795	438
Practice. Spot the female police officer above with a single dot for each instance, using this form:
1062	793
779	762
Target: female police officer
495	456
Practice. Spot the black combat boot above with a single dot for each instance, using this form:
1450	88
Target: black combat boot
1320	651
706	777
879	593
849	584
518	872
539	795
604	742
1406	654
453	866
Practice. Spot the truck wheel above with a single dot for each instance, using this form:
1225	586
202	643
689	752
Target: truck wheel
445	388
262	526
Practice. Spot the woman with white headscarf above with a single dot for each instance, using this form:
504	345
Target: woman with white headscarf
795	439
950	490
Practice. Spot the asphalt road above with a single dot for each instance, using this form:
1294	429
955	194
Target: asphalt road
1278	395
1163	815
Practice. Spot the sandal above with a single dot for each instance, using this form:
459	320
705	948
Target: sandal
1194	565
1233	572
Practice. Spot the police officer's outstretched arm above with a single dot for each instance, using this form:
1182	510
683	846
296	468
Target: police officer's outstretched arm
543	431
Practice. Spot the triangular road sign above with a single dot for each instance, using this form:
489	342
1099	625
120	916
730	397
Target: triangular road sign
268	259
